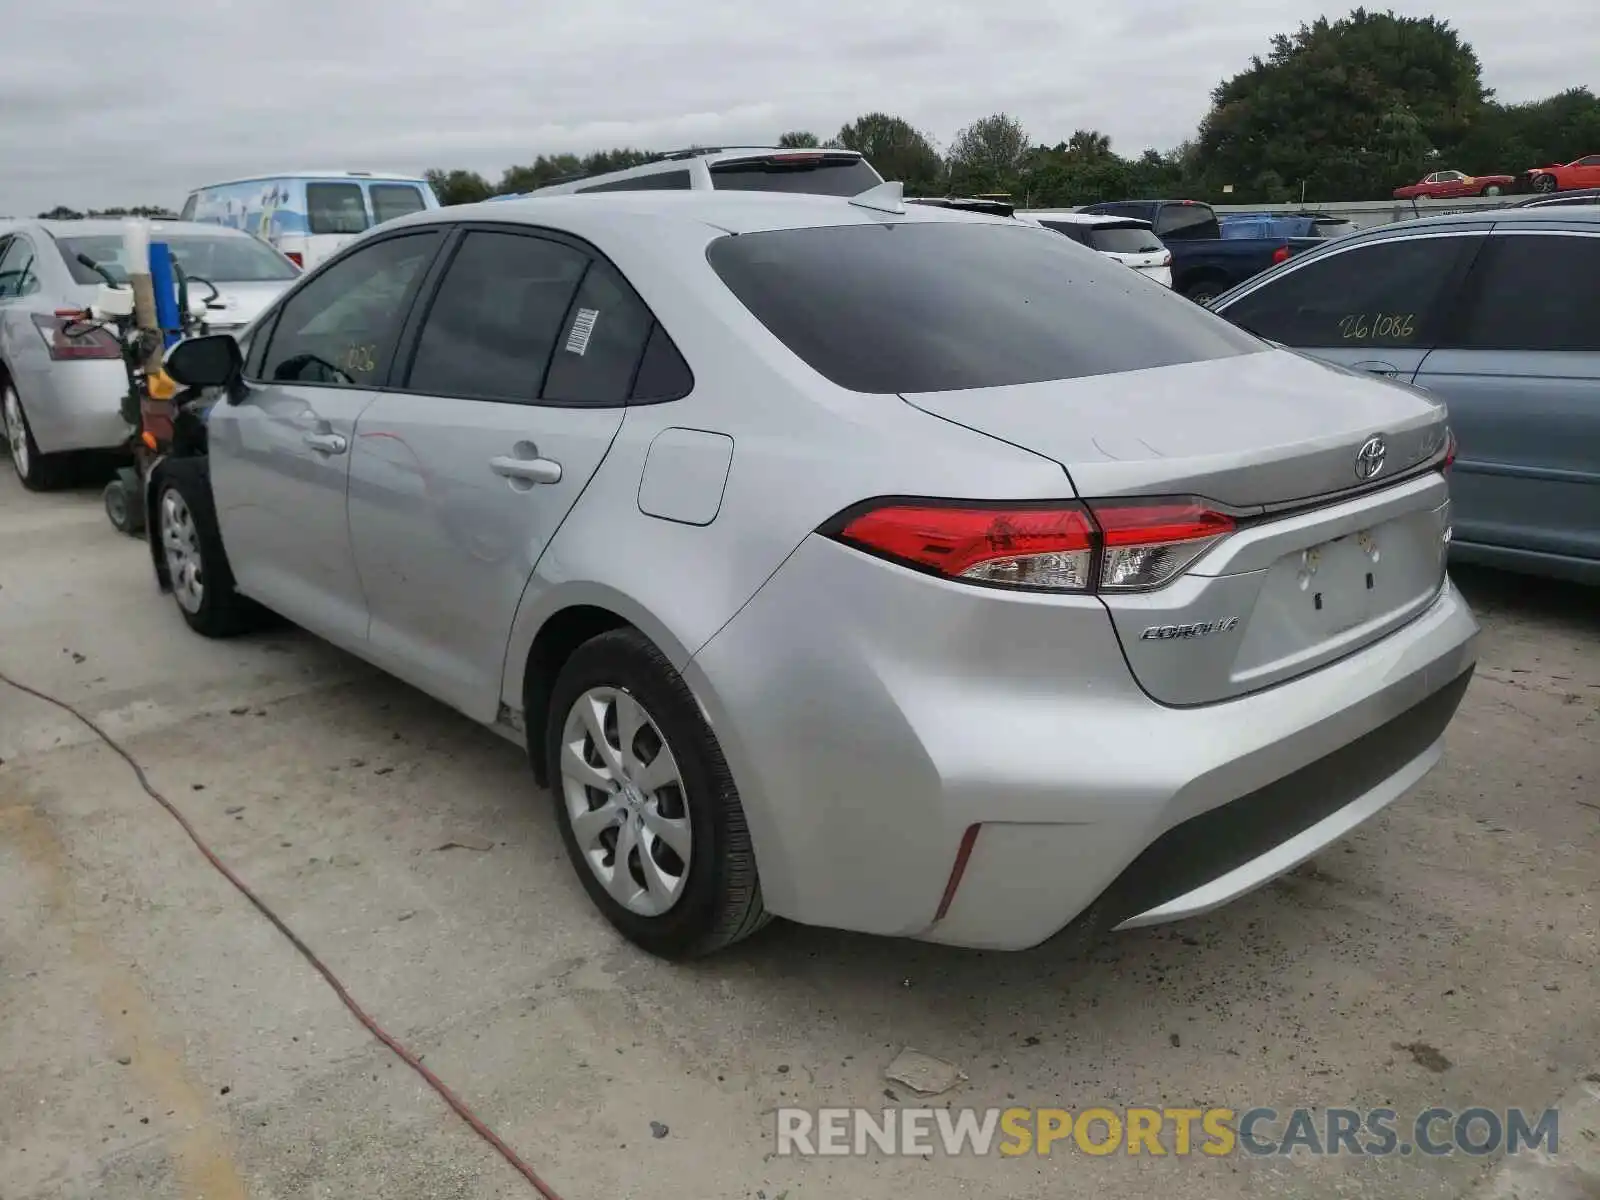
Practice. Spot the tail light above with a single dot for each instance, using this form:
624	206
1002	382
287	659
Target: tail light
68	336
295	257
1108	546
1281	254
1449	449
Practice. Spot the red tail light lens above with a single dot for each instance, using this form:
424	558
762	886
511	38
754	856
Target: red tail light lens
1148	543
1281	254
1049	548
295	257
69	336
1114	546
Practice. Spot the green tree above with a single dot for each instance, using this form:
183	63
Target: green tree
1511	138
459	187
989	156
541	171
618	159
61	213
1345	108
896	150
798	139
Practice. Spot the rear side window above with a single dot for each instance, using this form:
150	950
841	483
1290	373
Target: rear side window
656	181
936	306
1392	293
188	207
1187	221
1124	239
496	317
808	174
600	344
1533	292
17	277
1075	230
663	374
335	208
391	200
340	328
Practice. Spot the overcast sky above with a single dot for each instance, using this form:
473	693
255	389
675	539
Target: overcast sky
103	102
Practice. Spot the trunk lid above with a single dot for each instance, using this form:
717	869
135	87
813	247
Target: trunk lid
1322	562
237	304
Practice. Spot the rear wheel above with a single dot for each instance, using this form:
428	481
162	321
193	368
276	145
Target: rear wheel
1203	291
191	547
38	472
647	808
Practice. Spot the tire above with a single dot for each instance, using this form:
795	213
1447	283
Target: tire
702	903
38	472
120	508
197	567
1203	291
1492	190
1544	183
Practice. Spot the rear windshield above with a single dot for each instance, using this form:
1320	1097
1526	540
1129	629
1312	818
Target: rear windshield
391	200
220	258
1124	239
335	208
938	306
827	176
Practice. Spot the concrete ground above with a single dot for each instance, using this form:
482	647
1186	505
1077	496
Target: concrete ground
158	1039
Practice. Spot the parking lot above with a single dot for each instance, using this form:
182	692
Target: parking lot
162	1040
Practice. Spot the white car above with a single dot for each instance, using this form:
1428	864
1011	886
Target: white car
1130	241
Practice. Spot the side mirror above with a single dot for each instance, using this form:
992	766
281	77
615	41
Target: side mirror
211	361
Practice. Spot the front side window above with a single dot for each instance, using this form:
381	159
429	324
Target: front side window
1533	292
917	306
491	328
1592	161
1391	293
340	328
335	208
391	200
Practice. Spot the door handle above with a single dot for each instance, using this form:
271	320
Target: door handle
527	470
1379	368
327	443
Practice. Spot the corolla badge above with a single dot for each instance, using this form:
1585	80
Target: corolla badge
1199	629
1369	459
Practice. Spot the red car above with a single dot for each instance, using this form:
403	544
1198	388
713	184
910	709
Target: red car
1451	185
1579	173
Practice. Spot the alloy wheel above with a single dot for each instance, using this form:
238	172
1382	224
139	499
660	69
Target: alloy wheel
16	432
180	541
625	800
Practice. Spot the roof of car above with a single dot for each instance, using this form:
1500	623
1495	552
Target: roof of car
1081	218
380	176
729	211
1576	214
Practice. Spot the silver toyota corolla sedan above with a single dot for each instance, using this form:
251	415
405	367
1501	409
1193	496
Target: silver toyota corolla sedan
869	565
61	385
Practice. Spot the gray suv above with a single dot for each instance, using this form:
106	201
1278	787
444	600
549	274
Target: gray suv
1499	315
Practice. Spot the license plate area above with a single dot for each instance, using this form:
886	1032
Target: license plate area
1352	580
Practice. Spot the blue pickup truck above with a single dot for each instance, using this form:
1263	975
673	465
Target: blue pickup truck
1204	262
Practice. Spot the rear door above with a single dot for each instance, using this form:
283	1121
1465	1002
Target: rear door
1377	306
519	374
1519	368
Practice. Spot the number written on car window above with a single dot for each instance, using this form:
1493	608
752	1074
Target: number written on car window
1384	326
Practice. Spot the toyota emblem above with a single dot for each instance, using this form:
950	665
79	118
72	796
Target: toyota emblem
1369	459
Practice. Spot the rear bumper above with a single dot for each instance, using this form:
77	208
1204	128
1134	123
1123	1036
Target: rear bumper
76	405
872	715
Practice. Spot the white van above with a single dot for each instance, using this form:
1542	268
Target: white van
309	214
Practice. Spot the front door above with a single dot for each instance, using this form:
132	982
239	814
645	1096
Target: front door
518	383
280	448
1520	370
